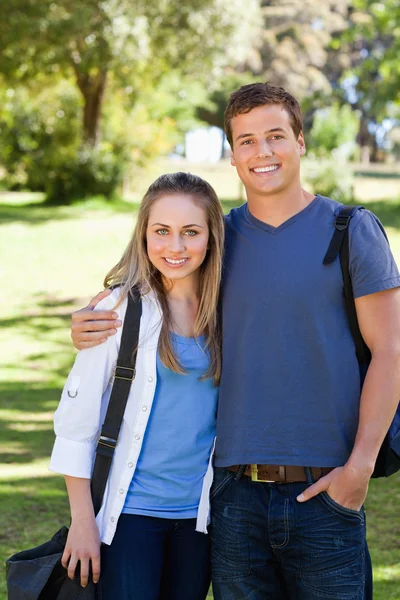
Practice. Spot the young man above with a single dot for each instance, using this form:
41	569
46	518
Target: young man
296	441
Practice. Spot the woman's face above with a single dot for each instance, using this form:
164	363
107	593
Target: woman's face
177	236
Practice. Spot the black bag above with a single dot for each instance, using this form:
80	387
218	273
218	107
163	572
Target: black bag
388	461
37	574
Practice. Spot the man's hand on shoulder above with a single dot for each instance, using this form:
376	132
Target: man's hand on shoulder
92	327
346	486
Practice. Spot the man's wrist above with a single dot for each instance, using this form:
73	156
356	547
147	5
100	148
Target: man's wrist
361	466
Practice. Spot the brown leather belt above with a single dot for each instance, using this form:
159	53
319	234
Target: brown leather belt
280	473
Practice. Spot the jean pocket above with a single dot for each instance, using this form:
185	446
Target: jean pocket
339	509
222	479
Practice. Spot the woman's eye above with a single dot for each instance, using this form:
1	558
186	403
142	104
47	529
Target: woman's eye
191	232
162	231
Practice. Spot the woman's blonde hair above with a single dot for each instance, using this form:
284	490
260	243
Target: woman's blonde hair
135	269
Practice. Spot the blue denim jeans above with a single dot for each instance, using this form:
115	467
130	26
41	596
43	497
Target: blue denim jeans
266	545
152	558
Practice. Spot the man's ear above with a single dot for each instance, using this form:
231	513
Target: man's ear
302	144
233	159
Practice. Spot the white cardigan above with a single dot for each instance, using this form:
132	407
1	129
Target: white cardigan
82	408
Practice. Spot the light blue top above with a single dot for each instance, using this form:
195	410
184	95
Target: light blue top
290	387
177	445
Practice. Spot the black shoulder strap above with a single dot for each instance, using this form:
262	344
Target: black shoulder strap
340	245
123	376
341	230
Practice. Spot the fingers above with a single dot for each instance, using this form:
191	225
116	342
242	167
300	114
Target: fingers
84	571
65	557
94	301
96	568
73	561
95	325
314	489
86	315
70	561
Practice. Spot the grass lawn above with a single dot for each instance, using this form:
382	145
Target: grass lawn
52	261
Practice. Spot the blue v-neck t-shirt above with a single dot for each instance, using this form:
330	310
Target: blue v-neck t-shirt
176	448
290	386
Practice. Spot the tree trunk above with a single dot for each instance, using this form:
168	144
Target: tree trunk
92	88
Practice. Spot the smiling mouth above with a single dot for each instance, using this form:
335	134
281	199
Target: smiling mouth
269	169
175	262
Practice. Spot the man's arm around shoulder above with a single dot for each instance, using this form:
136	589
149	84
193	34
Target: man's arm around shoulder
92	327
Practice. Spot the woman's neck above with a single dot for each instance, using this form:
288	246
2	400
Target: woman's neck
182	290
183	303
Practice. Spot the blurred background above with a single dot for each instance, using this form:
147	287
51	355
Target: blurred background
97	98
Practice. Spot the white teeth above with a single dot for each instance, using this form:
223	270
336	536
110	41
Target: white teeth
175	262
265	169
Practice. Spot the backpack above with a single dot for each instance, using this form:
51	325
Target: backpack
388	461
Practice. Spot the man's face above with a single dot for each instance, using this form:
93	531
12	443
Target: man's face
265	151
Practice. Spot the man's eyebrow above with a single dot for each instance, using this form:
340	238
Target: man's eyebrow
273	130
184	226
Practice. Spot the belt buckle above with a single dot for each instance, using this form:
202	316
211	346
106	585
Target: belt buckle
255	477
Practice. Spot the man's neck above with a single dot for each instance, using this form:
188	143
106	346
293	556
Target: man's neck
278	208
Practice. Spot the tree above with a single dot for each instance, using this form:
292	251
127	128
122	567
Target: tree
295	41
132	42
291	49
363	64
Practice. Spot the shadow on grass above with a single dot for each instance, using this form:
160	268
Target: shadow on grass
38	213
27	431
33	389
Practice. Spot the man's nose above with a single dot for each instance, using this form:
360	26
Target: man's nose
264	149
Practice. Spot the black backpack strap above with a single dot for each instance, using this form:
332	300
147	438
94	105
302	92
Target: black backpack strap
340	245
123	376
341	229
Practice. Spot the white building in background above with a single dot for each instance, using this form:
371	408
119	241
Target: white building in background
204	144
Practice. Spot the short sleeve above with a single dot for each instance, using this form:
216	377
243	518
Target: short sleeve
372	265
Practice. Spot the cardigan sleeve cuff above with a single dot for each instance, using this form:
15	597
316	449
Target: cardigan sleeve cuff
73	458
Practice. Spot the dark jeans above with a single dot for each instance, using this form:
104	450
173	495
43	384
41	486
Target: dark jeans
266	545
155	559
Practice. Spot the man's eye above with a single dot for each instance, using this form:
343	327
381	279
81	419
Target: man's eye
162	231
246	142
277	137
191	232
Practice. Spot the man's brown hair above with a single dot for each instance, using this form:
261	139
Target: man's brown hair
253	95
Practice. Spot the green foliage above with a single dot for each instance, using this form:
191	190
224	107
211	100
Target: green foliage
110	47
330	177
42	149
375	29
333	128
42	139
38	129
91	171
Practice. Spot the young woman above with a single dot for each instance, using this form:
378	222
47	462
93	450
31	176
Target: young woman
150	524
